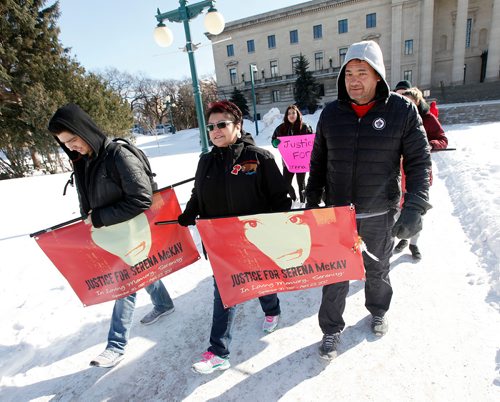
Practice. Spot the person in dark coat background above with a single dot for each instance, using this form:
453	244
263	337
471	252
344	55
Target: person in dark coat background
437	140
107	201
360	139
292	125
402	86
235	178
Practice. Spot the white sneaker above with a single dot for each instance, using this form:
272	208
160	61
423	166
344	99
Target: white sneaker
154	315
108	358
270	323
211	363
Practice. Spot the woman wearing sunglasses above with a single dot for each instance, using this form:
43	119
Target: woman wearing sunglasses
235	178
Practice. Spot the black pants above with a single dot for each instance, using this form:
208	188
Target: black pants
301	181
376	233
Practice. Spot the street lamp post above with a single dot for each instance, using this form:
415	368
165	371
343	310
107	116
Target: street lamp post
168	104
253	69
214	23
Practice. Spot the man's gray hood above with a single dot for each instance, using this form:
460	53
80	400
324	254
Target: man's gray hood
370	52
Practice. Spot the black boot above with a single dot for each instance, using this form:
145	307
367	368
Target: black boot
415	252
401	246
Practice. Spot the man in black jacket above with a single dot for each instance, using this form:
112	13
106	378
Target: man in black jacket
106	201
360	140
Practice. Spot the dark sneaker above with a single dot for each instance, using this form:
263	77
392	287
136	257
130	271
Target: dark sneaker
108	358
328	347
401	246
379	325
154	315
415	252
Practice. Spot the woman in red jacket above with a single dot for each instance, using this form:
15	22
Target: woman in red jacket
437	140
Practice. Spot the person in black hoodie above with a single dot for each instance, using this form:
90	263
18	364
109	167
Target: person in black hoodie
234	178
106	201
360	139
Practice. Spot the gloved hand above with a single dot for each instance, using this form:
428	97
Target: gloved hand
276	142
408	224
186	220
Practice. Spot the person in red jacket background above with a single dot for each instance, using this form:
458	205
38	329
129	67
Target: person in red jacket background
437	140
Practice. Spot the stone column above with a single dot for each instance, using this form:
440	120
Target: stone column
457	72
493	64
426	48
396	49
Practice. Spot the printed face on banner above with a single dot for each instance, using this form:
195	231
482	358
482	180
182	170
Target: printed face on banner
285	238
296	152
129	240
256	255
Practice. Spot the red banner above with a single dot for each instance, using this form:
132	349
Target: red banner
255	255
111	262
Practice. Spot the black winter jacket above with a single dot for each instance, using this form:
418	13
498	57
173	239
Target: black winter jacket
357	160
111	201
305	129
241	179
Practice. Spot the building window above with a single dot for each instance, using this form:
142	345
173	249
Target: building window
409	46
318	61
274	68
276	96
321	90
343	26
371	20
250	46
230	50
295	62
468	31
233	75
271	41
342	53
294	36
317	31
407	75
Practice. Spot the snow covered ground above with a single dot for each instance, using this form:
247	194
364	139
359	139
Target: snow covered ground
443	342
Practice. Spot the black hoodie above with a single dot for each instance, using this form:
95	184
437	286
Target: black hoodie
241	179
111	201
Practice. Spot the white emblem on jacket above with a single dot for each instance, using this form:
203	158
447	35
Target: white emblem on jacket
378	124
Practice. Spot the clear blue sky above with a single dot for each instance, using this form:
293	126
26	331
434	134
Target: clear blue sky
114	33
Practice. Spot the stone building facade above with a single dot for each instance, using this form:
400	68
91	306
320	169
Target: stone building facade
432	43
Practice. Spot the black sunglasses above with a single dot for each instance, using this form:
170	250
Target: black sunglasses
220	125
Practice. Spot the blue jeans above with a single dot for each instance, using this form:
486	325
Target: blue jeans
223	318
123	313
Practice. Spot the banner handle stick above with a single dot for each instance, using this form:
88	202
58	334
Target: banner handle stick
175	184
172	222
60	225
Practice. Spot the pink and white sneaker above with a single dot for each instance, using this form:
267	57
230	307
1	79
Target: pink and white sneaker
210	363
270	323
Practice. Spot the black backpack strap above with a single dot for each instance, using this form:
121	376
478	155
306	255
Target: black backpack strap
70	182
111	166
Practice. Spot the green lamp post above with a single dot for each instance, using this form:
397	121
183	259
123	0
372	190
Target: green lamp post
168	104
214	23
